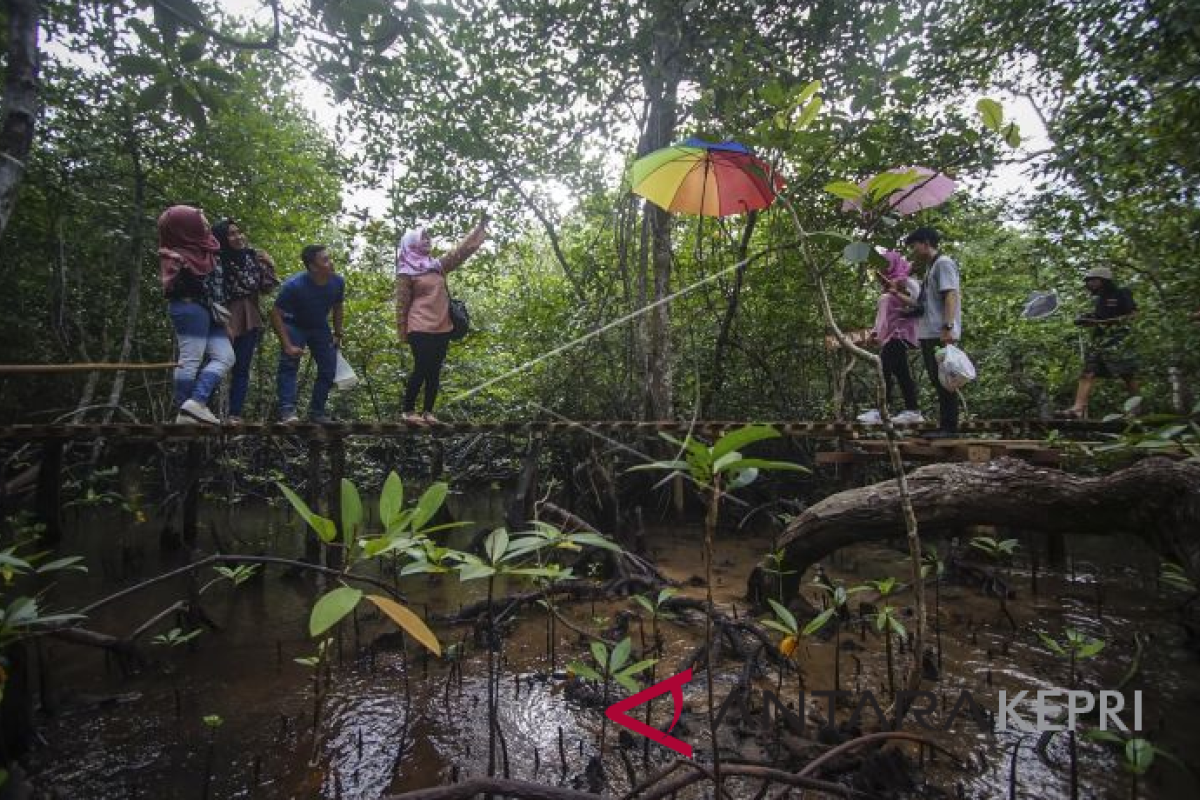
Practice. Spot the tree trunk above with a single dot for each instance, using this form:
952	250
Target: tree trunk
731	309
1156	499
661	82
19	101
133	303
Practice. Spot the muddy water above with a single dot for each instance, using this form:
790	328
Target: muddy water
394	721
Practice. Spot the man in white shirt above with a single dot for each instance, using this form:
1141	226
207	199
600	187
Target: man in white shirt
941	321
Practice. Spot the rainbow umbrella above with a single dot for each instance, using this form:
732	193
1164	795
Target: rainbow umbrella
699	177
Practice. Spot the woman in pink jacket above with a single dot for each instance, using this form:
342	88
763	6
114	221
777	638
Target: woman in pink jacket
423	311
896	333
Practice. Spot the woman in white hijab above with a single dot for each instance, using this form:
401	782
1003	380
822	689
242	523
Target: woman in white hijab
423	311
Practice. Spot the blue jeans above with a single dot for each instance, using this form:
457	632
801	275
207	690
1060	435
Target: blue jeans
239	383
319	342
198	337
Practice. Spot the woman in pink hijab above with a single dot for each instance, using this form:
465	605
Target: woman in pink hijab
423	311
187	268
896	331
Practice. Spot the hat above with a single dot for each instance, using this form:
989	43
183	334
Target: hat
1098	272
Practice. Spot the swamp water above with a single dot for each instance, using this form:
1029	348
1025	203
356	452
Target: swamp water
392	723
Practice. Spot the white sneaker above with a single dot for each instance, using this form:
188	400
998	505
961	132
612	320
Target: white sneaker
908	418
870	417
198	412
290	419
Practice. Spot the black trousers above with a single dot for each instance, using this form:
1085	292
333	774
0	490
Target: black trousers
895	370
947	401
429	353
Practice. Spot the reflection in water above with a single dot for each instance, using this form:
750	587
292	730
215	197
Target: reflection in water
118	738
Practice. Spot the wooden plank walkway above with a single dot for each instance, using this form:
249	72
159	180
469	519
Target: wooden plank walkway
1021	431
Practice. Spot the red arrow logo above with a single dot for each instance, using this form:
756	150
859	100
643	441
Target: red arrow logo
674	685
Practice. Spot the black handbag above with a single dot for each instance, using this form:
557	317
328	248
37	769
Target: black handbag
460	317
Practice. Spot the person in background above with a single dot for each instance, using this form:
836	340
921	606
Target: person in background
247	274
1109	355
896	332
301	316
940	322
423	311
187	263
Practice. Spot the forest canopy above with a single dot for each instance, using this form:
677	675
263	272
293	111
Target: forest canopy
532	112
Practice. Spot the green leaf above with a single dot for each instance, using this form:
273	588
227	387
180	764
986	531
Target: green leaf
628	683
324	528
391	499
496	544
1097	735
808	91
809	113
818	622
352	513
595	540
895	625
72	563
1139	756
764	464
1089	649
789	620
153	96
644	603
992	114
429	504
726	461
470	572
600	653
192	48
681	466
620	654
584	671
1054	646
741	477
332	608
139	65
640	666
778	626
845	190
738	439
188	106
1012	135
856	252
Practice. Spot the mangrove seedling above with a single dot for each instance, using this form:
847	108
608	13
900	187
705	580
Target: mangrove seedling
932	564
718	469
656	611
611	666
1076	647
887	623
775	567
838	611
211	722
1000	552
784	622
1137	754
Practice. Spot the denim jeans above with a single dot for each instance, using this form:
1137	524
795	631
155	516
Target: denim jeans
198	338
239	382
319	342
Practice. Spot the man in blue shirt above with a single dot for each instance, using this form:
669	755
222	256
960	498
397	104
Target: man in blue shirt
301	319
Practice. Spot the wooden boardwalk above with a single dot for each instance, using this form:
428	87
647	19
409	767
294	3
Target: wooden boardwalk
997	430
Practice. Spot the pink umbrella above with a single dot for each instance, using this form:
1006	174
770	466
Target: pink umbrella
930	189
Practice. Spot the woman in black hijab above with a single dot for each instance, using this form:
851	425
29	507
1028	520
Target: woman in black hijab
247	274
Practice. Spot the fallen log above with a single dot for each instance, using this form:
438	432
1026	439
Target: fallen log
1156	499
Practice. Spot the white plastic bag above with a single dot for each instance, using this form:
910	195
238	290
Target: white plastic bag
344	377
955	370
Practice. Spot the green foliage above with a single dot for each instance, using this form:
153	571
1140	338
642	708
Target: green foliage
996	549
176	637
612	665
1075	644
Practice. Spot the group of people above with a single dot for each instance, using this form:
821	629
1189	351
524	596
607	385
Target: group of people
214	283
928	315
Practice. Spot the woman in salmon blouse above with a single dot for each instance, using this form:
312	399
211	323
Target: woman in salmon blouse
423	311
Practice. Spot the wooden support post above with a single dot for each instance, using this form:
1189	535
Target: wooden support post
337	471
520	509
312	545
49	491
437	460
193	458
